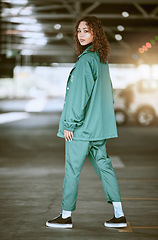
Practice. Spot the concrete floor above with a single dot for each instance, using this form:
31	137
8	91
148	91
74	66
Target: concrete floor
32	172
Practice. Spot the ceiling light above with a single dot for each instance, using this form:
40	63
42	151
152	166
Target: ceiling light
26	52
125	14
55	64
120	28
29	41
118	37
15	10
33	41
26	11
59	35
19	2
9	53
23	20
57	26
41	42
32	35
10	11
34	27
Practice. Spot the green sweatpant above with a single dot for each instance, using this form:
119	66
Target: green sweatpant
75	154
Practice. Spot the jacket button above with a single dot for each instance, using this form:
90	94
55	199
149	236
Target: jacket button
68	88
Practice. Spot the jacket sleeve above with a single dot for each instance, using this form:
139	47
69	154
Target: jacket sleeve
80	92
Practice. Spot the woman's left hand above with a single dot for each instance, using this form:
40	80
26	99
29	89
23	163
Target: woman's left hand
68	135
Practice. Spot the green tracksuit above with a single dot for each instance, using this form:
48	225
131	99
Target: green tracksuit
88	110
89	113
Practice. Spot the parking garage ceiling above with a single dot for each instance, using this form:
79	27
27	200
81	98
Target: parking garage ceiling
43	29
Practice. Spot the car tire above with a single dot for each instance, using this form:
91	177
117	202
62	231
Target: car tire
120	116
145	116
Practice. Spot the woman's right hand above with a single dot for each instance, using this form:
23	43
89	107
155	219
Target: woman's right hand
68	135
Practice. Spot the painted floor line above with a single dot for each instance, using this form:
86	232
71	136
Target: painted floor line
144	227
137	180
129	228
142	199
126	229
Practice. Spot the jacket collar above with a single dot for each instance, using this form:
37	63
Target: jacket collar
85	51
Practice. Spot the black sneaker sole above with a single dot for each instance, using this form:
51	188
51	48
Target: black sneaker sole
115	225
58	225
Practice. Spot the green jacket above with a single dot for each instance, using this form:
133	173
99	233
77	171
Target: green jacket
88	108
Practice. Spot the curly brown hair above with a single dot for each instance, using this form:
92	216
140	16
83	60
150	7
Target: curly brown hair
100	41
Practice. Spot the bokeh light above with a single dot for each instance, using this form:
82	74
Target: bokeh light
118	37
135	56
141	50
156	37
125	14
59	36
152	41
120	28
57	26
148	45
145	48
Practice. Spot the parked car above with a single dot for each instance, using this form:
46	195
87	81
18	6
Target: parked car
144	106
138	101
120	107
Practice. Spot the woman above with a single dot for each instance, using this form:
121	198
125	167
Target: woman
87	121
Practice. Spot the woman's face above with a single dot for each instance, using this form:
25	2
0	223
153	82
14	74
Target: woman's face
85	36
